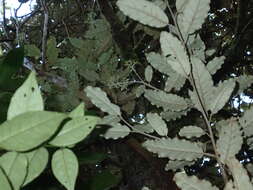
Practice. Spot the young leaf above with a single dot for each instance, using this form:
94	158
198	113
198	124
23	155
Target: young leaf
100	99
78	111
174	149
166	101
191	131
240	175
65	167
221	94
14	166
74	131
144	11
175	53
215	64
230	140
191	182
148	73
157	124
117	131
204	84
37	162
29	130
4	181
193	16
246	121
26	98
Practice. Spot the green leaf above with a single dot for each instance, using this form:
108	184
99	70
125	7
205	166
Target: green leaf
157	124
144	128
174	149
117	131
14	166
74	131
175	165
221	95
173	115
29	130
52	51
37	162
4	181
100	99
174	82
215	64
246	121
180	5
26	98
78	111
240	175
244	81
148	73
11	63
192	183
109	119
32	51
230	140
65	167
191	131
77	42
175	53
204	84
165	100
144	11
193	16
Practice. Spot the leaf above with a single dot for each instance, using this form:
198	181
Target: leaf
174	149
117	131
175	165
174	81
74	131
148	73
109	119
221	95
192	183
52	52
165	100
175	53
173	115
4	181
78	111
192	16
157	124
197	46
180	5
229	186
26	98
230	140
215	64
14	166
159	62
246	121
145	12
240	175
100	99
32	51
244	81
37	126
204	84
37	162
144	128
191	131
65	167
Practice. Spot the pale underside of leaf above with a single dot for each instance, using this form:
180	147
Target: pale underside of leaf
144	11
148	73
174	149
175	165
192	183
165	100
191	131
175	53
246	121
117	131
215	64
157	123
100	99
230	140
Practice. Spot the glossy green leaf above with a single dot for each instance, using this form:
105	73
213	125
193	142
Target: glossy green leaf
144	11
100	99
29	130
4	181
26	98
65	168
37	162
175	54
14	166
74	131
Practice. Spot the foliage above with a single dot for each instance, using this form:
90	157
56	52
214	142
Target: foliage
184	53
